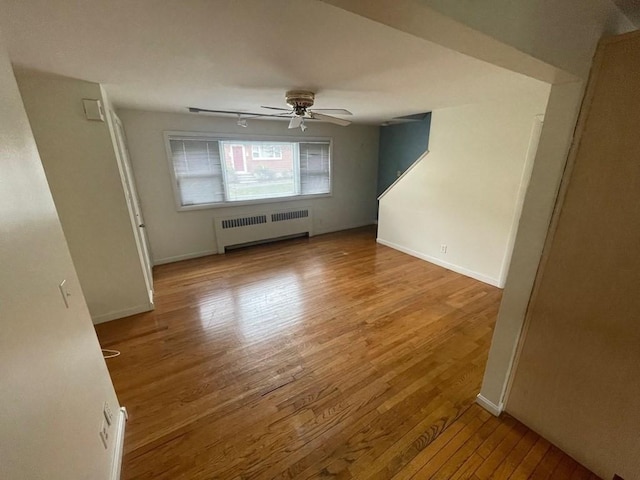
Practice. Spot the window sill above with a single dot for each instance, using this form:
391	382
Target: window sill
208	206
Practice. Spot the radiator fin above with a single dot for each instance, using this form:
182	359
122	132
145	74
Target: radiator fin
282	216
244	221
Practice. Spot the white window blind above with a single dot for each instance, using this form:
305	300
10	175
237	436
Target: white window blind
215	171
315	175
198	172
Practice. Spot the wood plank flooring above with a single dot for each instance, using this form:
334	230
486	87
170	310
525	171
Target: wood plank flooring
330	357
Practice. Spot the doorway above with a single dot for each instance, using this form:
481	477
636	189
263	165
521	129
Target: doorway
133	204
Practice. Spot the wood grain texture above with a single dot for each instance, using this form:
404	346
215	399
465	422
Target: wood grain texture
330	357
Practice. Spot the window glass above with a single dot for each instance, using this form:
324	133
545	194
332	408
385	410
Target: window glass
210	171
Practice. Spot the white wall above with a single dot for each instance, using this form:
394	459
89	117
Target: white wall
464	193
82	171
539	28
550	41
54	380
576	381
177	235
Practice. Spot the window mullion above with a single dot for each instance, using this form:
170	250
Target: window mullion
223	167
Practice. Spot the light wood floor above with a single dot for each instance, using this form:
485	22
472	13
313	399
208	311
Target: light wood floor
330	357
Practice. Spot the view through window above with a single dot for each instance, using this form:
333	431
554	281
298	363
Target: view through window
211	171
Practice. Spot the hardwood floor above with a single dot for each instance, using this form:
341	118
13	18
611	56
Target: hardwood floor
330	357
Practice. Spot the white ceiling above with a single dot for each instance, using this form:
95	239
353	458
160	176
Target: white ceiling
240	54
630	8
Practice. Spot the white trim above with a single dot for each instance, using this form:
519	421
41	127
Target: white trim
525	177
118	444
263	201
106	317
441	263
489	406
133	202
189	256
342	228
406	172
186	256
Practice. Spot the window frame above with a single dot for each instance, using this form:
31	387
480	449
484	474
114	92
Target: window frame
240	138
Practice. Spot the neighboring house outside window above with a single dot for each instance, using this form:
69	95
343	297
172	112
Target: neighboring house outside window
211	171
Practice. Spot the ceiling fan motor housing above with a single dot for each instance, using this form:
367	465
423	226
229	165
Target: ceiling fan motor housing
300	100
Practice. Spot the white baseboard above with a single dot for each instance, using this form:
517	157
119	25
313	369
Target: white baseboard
106	317
441	263
186	256
189	256
489	406
341	228
118	444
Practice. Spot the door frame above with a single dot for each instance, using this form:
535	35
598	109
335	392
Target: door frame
133	204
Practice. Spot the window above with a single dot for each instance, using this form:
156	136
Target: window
266	150
210	171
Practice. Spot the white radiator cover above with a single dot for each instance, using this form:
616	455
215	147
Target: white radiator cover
261	225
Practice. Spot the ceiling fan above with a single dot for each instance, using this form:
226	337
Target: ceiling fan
300	102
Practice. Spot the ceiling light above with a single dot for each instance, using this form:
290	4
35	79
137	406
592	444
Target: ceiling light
295	122
303	127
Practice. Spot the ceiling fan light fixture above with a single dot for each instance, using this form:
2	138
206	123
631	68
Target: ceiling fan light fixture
296	122
299	102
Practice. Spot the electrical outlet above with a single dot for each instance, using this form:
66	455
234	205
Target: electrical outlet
104	434
108	415
443	248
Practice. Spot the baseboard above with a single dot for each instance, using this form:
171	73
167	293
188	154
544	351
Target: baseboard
343	228
441	263
107	317
489	406
118	444
186	256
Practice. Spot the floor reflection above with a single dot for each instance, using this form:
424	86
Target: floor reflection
268	306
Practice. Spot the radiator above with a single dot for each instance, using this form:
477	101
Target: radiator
261	226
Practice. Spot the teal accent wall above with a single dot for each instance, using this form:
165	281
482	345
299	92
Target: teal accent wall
400	146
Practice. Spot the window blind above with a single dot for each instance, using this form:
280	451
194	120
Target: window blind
315	175
213	171
198	171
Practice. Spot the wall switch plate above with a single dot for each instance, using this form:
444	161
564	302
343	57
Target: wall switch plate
443	248
104	434
108	415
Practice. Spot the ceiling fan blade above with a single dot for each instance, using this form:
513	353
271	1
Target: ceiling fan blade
332	111
328	119
229	112
276	108
198	110
295	122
